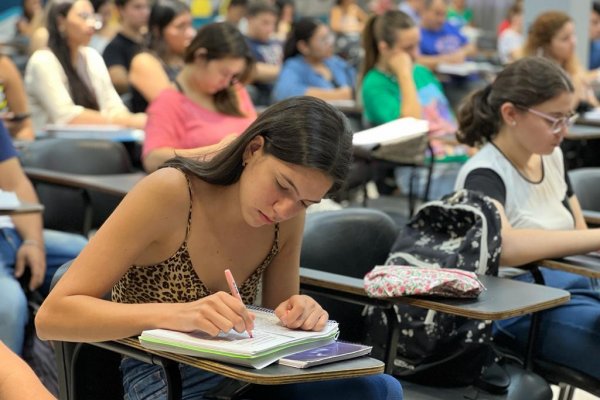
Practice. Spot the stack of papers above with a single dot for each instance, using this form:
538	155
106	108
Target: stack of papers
394	132
9	200
269	343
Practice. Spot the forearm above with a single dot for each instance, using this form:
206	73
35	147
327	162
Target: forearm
29	226
92	117
522	246
80	318
343	93
17	380
410	105
266	73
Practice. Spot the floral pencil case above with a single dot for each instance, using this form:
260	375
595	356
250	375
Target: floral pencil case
400	280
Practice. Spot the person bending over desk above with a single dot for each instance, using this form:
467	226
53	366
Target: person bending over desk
520	120
68	83
210	107
165	248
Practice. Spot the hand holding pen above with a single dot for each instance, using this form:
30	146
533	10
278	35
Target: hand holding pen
235	292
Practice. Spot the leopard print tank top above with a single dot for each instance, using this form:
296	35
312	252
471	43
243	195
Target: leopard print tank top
174	279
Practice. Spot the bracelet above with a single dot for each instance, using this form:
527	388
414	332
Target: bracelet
31	242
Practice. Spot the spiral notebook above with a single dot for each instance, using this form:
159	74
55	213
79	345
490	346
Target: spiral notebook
270	342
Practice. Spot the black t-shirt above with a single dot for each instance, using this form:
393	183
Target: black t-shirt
120	51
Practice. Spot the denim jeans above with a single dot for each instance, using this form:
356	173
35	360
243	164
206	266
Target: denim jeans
569	334
60	248
143	381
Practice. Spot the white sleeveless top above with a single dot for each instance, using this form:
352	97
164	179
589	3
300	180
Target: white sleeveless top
528	205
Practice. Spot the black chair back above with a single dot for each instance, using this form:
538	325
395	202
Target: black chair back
586	185
349	242
64	207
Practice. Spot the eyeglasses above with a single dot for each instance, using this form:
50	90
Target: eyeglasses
557	123
95	19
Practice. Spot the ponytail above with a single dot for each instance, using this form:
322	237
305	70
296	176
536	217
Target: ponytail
369	44
478	121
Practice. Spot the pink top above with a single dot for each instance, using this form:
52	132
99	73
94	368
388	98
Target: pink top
176	121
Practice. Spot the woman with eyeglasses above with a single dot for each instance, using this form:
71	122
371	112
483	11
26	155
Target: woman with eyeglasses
310	68
520	120
209	106
68	83
170	31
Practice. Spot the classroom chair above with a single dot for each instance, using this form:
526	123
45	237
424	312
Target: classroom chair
65	209
586	185
351	242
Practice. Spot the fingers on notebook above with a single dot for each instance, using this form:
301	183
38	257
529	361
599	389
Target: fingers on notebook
302	312
224	313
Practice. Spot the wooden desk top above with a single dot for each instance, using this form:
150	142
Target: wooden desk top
504	298
274	374
585	265
117	184
24	208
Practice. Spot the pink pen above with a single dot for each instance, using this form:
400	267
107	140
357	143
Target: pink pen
234	290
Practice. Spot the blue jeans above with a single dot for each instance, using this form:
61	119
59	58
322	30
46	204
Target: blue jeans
143	381
60	248
569	334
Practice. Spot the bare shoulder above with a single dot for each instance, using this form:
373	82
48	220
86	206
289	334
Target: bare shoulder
166	187
144	61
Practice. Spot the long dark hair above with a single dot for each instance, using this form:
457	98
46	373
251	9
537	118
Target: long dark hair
303	130
222	40
382	28
162	13
302	30
525	83
80	92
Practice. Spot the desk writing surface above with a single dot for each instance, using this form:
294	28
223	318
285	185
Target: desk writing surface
503	298
583	132
274	374
23	208
115	184
584	264
113	133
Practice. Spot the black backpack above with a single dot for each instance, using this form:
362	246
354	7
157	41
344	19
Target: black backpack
462	230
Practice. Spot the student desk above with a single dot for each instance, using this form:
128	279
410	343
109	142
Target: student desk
274	374
585	264
23	208
591	217
584	130
117	184
503	298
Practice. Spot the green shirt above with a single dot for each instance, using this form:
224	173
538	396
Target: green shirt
460	18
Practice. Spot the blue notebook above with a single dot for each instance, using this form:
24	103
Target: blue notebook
329	353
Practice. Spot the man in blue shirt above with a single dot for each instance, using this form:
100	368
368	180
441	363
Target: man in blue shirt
25	245
440	41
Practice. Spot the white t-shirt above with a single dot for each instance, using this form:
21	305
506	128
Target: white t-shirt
47	88
528	205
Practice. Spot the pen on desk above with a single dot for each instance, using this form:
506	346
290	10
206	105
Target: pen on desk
234	290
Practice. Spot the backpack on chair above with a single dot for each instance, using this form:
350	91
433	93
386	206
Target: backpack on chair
462	230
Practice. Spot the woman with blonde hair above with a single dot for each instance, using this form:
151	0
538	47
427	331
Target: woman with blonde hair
552	35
